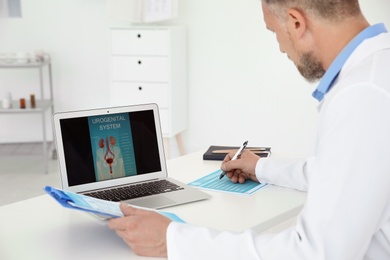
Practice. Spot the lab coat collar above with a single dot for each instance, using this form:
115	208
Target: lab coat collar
334	69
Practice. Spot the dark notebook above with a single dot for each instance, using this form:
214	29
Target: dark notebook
218	153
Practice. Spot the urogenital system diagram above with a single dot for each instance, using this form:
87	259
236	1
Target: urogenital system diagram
108	149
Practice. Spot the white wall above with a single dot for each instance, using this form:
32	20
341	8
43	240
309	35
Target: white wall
240	86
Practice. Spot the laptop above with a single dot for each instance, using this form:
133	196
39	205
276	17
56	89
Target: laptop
118	151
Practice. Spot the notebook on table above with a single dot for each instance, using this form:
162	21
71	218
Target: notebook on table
114	153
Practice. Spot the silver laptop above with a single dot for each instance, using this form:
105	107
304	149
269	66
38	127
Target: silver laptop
113	153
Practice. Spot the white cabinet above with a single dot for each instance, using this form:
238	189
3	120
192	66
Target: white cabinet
149	65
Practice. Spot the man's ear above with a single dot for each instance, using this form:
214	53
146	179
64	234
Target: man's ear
296	23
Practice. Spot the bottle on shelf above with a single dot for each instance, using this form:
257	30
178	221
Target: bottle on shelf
22	103
32	101
7	100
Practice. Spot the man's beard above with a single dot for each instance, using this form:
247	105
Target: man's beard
310	68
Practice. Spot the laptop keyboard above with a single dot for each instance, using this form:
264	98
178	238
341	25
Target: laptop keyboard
135	190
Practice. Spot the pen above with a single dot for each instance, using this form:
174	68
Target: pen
238	153
225	151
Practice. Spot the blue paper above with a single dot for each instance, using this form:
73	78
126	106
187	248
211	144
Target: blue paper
212	182
108	209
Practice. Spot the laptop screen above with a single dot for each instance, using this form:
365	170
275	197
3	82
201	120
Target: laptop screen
109	146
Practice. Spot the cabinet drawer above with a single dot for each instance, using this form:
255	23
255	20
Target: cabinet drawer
139	42
124	93
154	69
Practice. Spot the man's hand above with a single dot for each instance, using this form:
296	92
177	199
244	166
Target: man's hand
144	231
241	169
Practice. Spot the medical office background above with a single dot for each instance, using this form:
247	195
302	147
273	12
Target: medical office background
240	87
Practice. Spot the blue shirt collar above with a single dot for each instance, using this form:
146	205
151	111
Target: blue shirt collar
334	69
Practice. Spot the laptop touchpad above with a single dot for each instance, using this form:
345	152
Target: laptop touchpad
152	202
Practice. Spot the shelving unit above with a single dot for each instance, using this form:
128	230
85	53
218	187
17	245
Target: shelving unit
42	104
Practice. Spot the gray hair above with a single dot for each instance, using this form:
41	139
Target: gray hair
333	10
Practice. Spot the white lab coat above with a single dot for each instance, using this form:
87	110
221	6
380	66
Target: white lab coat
347	178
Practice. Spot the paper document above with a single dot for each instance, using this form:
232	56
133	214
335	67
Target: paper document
108	209
212	182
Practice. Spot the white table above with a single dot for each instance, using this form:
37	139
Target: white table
39	228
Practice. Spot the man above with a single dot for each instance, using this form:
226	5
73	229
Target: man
347	213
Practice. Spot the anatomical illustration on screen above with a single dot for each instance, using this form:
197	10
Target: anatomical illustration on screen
112	146
109	152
